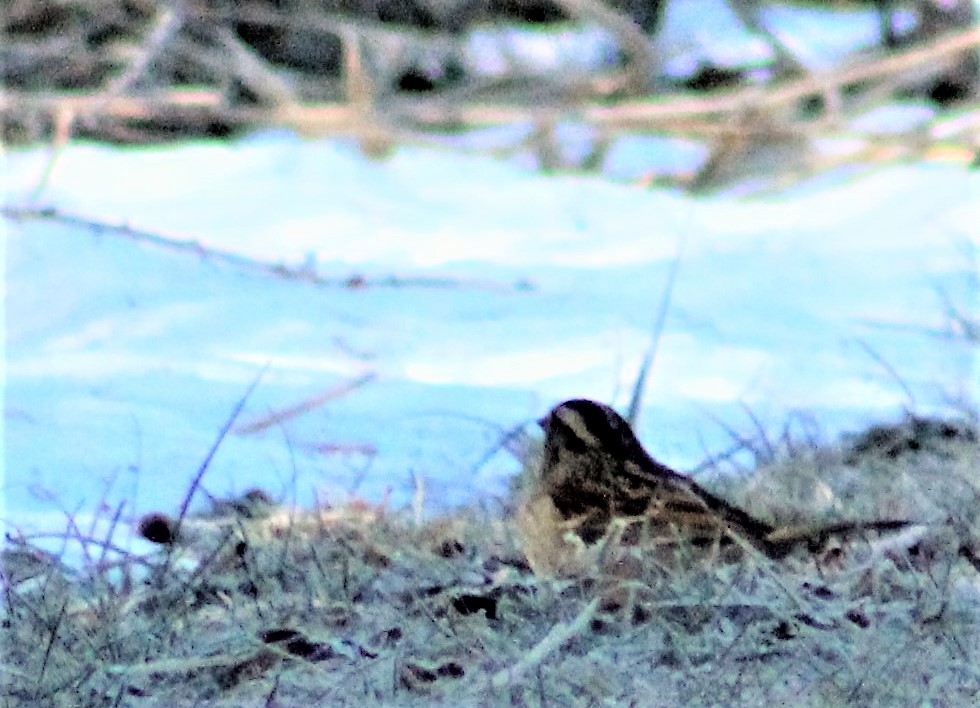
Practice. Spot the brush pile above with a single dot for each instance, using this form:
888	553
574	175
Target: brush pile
390	73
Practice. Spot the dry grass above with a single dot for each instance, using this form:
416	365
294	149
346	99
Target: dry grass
257	605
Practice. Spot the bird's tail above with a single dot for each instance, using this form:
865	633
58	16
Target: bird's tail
785	539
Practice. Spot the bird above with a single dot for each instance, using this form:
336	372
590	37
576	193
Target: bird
594	471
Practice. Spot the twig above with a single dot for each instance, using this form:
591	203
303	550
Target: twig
632	41
168	22
53	634
890	370
199	475
552	641
514	440
64	119
760	430
418	498
69	535
741	442
639	114
362	96
327	23
747	12
959	323
658	331
254	72
669	113
114	522
277	417
302	274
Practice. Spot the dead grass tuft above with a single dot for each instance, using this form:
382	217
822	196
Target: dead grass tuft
362	605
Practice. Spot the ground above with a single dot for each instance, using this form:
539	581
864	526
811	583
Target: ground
261	605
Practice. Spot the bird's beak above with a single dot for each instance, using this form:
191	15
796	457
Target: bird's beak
542	422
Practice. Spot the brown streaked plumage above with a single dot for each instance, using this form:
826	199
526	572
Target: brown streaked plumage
594	470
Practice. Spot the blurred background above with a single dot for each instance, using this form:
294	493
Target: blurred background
561	80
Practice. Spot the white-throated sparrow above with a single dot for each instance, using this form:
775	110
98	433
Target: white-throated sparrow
595	471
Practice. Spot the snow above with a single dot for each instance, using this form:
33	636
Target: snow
124	359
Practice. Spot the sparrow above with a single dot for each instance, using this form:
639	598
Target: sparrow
594	471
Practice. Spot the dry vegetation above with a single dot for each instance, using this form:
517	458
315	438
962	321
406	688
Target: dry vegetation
147	70
259	605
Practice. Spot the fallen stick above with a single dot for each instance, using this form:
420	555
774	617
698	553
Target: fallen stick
306	406
552	641
279	270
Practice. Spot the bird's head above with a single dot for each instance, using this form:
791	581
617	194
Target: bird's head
581	425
